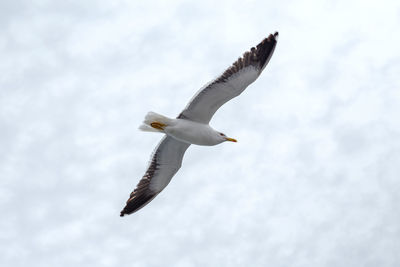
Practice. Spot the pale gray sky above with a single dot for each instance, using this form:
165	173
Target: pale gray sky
313	181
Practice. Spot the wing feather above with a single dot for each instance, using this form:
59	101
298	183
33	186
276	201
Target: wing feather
231	83
165	162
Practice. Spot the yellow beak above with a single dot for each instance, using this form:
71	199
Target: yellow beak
230	139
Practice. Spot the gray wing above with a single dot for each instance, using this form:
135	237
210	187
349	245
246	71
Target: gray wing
231	83
165	162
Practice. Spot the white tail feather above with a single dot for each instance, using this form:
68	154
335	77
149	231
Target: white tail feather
154	117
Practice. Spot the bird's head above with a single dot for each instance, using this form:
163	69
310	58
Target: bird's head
224	138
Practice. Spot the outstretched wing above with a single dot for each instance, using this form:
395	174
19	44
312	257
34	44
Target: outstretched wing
165	162
231	83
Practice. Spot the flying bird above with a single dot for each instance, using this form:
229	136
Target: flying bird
192	124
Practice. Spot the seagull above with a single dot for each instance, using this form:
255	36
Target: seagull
192	124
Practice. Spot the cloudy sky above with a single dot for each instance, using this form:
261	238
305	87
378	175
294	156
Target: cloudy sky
313	181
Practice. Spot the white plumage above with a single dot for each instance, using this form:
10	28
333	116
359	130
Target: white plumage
191	126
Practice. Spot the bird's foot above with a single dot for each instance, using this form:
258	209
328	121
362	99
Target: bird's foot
158	125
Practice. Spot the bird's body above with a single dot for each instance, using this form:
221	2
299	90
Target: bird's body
187	131
195	133
192	125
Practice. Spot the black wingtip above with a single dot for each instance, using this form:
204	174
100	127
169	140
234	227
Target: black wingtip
137	202
265	49
126	210
273	37
123	212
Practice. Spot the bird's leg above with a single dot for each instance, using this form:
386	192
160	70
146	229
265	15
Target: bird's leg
158	125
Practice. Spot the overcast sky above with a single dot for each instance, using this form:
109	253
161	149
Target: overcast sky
313	181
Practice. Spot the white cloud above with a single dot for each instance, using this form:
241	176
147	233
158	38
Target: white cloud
311	182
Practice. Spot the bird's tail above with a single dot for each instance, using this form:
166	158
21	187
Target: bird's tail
154	122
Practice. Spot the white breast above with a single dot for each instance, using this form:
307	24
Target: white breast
192	132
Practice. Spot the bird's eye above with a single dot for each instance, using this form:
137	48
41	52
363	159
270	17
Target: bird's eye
221	134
